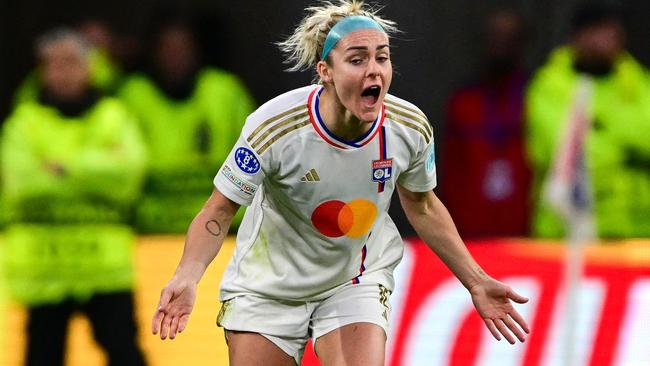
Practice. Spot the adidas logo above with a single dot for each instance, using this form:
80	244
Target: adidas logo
311	176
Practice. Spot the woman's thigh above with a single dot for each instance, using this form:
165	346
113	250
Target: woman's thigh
356	344
350	326
257	326
252	349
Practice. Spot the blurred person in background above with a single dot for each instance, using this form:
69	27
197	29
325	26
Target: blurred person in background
617	148
486	176
105	72
191	115
73	163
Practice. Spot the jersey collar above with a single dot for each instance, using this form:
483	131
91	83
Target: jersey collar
328	136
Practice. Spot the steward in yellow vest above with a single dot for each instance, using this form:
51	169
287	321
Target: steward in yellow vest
617	149
72	166
191	116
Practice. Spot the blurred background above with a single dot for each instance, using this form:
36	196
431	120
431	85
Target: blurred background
438	51
168	84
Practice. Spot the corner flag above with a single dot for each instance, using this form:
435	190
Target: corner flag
567	187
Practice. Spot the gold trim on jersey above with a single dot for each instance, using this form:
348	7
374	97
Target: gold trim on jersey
275	118
384	293
406	123
416	118
277	136
225	306
277	126
415	115
400	105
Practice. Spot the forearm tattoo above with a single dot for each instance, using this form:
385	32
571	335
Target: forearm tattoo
213	227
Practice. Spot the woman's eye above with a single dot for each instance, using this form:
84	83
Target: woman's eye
383	58
355	61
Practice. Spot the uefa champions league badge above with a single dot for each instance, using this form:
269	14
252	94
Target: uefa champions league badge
246	160
382	170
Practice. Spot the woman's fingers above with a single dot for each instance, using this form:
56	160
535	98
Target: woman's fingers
183	322
504	331
516	297
159	315
173	328
514	314
166	323
514	329
493	329
155	323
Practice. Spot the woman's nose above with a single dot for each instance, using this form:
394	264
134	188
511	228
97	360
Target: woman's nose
373	68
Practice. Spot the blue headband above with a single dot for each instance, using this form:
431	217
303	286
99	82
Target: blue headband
346	26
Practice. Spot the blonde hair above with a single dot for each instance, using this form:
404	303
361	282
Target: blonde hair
304	47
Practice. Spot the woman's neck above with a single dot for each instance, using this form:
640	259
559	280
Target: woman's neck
339	120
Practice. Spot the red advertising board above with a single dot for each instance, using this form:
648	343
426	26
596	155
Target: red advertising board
433	321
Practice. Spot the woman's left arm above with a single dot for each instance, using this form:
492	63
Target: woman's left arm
434	225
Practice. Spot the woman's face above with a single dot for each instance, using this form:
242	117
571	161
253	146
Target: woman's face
360	71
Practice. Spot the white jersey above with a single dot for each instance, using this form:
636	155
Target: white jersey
318	215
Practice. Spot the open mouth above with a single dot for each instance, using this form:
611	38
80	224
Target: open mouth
370	95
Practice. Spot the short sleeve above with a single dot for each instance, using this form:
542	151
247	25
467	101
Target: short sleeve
241	175
420	176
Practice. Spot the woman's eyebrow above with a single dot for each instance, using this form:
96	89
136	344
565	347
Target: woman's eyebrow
365	48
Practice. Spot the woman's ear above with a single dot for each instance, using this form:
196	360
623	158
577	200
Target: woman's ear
324	71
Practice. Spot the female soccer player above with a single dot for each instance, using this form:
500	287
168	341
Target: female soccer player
316	250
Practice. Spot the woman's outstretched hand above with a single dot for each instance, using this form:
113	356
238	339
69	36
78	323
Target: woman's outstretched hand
174	308
492	301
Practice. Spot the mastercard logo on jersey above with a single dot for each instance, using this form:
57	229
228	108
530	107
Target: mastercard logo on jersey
337	218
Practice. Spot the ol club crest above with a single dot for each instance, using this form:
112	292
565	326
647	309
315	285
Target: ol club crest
382	170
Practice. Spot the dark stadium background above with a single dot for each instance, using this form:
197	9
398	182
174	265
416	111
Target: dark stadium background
439	49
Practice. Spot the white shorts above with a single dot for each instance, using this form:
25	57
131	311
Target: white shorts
289	324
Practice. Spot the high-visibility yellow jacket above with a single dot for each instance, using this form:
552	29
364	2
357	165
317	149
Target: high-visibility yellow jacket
188	140
617	148
67	234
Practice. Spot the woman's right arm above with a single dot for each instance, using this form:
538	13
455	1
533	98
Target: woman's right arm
204	239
